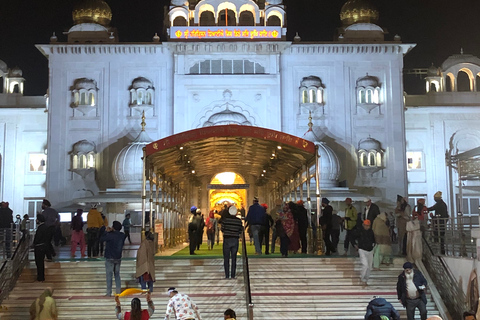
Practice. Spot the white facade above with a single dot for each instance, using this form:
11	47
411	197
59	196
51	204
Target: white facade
23	144
443	123
196	83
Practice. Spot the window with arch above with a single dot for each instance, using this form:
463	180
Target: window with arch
141	92
368	90
207	18
84	93
449	83
370	159
229	20
83	157
370	154
312	91
246	19
463	82
477	82
180	22
274	21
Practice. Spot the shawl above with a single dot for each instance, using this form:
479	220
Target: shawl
146	259
287	220
381	230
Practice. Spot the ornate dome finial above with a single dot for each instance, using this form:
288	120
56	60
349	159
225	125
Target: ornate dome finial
53	38
358	11
143	121
156	38
92	11
310	123
297	38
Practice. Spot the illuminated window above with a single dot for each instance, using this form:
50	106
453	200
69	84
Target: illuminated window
84	94
227	67
142	92
414	160
37	162
311	91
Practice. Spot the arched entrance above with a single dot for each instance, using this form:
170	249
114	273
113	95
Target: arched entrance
227	187
181	171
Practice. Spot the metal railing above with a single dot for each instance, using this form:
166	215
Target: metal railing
12	268
246	278
452	236
448	288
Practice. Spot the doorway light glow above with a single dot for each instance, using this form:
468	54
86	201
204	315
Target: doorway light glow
226	177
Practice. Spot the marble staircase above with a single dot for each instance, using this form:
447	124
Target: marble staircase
291	288
80	288
320	288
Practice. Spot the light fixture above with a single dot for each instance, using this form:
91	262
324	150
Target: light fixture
193	171
273	154
181	148
264	170
279	147
226	177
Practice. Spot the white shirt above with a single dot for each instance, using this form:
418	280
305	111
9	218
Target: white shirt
412	292
183	308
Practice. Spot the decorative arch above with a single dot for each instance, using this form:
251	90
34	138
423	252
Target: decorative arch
176	13
253	10
470	76
233	106
201	9
450	82
276	11
230	7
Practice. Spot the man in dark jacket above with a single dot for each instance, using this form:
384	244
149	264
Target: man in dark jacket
6	222
255	218
302	224
52	219
193	225
365	242
326	223
411	286
381	307
371	210
42	236
114	241
232	228
439	220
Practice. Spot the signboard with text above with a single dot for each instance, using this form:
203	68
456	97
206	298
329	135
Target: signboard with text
226	33
228	186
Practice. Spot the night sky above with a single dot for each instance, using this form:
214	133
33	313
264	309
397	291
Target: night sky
439	28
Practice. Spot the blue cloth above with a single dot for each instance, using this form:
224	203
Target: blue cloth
114	244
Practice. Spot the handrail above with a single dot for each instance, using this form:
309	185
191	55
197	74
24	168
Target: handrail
452	295
12	268
246	278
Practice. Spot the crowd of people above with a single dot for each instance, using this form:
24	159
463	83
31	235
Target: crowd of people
370	231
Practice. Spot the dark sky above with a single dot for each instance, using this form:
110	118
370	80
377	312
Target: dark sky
440	28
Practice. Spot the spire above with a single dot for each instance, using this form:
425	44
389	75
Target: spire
143	121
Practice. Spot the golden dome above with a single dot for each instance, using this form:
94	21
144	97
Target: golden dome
92	11
358	11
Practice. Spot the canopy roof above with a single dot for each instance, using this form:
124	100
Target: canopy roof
245	150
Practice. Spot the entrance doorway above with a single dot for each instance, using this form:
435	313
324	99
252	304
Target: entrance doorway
227	188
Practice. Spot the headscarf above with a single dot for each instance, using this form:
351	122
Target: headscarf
41	301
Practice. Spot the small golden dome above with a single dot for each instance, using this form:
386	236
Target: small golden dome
358	11
92	11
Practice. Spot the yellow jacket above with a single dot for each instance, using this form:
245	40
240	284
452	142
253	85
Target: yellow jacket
94	219
350	212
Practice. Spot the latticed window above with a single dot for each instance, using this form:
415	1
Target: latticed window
227	67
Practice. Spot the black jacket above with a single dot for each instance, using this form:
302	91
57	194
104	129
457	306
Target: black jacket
364	239
381	307
418	279
440	208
